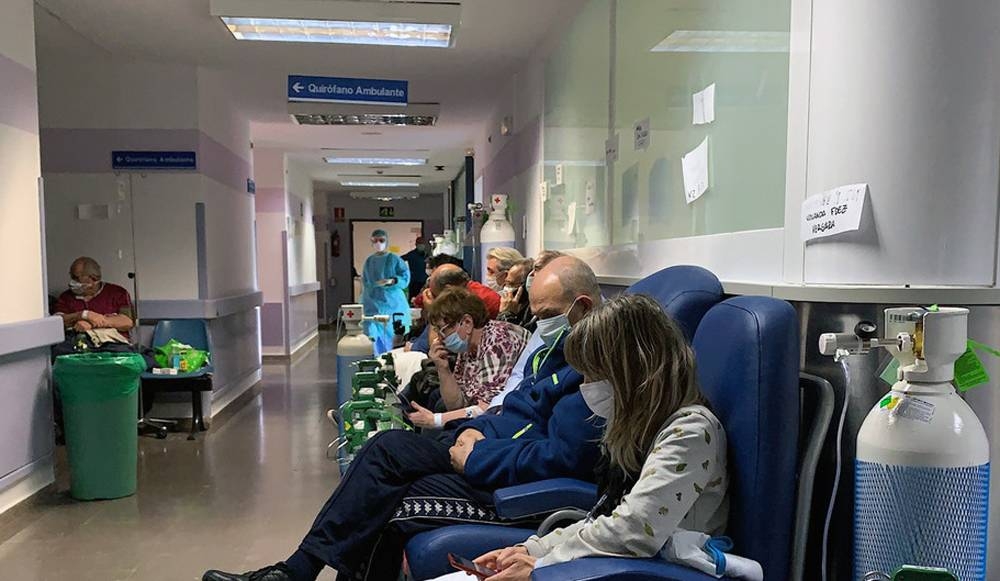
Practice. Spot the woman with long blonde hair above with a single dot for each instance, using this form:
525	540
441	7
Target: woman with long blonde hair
664	464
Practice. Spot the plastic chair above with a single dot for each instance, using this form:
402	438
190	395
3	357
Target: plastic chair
193	332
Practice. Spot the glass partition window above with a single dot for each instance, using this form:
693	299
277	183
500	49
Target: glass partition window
665	52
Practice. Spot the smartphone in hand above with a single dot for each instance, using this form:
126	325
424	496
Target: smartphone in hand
463	564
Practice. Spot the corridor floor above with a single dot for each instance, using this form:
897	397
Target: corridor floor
240	497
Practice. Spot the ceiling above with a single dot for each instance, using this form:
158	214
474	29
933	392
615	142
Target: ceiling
494	38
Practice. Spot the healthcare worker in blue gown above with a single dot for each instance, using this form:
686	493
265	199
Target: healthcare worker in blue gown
385	279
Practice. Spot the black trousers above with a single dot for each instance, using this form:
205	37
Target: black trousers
398	485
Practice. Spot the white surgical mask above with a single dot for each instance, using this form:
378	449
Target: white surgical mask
552	329
379	246
76	287
491	283
527	281
600	398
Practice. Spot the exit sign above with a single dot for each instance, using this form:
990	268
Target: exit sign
386	212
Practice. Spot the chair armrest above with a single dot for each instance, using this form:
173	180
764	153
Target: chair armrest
604	568
544	497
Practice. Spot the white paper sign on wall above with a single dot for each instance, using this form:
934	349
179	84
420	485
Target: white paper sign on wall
694	167
704	106
559	174
833	212
611	149
544	189
642	134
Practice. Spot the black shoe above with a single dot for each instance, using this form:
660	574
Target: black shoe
278	572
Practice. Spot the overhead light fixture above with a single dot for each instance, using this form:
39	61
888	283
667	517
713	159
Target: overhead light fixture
736	41
385	196
576	163
410	24
388	161
366	119
350	184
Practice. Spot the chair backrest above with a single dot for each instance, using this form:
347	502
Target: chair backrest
193	332
747	351
686	293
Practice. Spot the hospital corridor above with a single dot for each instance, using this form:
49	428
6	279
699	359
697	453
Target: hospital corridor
499	290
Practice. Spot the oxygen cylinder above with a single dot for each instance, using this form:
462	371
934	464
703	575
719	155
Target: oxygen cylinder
353	347
448	244
497	232
922	468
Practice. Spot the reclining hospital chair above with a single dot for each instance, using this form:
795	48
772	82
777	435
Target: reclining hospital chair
686	294
747	349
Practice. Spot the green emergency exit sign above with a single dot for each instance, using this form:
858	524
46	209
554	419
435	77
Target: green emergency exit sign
386	212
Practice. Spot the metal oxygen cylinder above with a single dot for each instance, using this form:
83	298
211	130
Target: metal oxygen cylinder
923	460
497	232
353	347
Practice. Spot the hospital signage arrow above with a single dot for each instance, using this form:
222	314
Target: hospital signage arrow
343	90
183	160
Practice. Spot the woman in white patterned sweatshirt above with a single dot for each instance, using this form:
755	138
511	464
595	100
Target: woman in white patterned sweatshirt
664	466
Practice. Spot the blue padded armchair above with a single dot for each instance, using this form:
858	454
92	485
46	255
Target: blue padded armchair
193	332
747	350
686	294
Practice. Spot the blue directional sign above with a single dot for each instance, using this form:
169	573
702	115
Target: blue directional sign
154	160
340	90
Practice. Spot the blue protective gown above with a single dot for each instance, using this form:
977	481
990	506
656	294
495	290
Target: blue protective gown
386	300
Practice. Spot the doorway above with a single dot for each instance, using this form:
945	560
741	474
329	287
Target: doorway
402	239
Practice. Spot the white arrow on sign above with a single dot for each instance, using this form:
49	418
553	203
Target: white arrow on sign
298	87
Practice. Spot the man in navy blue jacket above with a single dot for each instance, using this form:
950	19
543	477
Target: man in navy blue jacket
400	484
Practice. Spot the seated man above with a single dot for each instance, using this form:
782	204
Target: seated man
447	276
499	261
400	483
514	306
90	303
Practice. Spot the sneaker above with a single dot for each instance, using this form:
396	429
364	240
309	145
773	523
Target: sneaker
277	572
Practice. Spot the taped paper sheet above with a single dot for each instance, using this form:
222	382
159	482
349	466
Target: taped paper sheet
694	166
704	105
833	212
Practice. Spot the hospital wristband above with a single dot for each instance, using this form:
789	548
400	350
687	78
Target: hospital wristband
437	420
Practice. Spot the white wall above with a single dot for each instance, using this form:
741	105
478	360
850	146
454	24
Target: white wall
26	438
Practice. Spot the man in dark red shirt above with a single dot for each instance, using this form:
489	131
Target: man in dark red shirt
449	275
91	303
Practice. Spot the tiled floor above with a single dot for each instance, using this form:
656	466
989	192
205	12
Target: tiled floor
239	497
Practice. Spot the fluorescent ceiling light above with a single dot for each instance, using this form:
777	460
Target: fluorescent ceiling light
384	196
413	24
340	32
366	119
576	163
738	41
380	184
407	161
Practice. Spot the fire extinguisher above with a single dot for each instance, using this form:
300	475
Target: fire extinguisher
335	244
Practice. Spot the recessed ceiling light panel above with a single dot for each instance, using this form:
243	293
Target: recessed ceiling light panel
379	161
366	119
724	41
352	184
409	24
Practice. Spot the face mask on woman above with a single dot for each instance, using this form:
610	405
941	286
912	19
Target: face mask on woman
599	397
379	246
456	344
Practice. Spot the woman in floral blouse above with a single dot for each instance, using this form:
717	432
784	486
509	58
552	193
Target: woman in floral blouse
485	355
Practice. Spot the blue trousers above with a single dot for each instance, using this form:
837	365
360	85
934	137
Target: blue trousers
398	485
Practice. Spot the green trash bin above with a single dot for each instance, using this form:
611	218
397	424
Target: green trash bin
100	399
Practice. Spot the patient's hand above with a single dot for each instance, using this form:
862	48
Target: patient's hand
98	321
82	326
493	559
515	567
469	437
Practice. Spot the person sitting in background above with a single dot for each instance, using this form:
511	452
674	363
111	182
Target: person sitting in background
535	342
432	264
514	298
401	483
486	352
499	261
90	303
662	476
449	275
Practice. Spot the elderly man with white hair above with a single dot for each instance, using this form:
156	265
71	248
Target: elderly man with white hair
499	261
90	303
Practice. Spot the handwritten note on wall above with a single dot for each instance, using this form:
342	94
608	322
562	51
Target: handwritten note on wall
694	167
833	212
704	106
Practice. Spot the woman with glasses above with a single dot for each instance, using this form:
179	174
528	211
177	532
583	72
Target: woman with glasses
485	352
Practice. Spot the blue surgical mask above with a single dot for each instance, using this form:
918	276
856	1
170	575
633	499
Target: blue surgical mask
553	328
600	398
456	344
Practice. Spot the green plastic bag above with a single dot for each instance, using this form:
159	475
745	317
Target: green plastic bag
180	356
100	398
